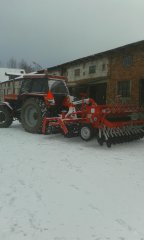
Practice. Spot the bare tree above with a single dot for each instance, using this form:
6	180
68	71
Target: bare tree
12	63
37	66
23	64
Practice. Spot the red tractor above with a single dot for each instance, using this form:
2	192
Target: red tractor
40	95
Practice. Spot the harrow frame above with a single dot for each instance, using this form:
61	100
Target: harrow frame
110	123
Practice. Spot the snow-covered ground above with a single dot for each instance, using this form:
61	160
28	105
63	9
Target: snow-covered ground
54	188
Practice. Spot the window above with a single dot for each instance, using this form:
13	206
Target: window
127	61
92	69
103	67
26	85
39	85
34	85
123	88
77	72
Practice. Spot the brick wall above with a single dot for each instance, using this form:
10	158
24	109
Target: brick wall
118	71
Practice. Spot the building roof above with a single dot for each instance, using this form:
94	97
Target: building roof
91	57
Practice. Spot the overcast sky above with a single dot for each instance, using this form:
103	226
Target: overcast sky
52	32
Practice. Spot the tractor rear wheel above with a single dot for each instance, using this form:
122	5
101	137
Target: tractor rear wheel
32	113
6	118
86	132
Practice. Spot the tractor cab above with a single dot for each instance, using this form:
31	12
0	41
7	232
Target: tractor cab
41	85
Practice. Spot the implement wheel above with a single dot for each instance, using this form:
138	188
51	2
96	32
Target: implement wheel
86	132
6	118
32	114
100	141
108	143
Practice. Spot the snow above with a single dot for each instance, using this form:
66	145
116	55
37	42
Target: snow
11	71
54	188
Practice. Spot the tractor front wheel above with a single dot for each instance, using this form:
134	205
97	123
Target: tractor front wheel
6	118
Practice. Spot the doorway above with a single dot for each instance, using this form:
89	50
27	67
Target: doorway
98	93
141	92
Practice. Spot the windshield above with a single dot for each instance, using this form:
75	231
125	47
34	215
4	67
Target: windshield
38	85
57	87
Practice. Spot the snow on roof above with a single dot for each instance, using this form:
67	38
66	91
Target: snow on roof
10	71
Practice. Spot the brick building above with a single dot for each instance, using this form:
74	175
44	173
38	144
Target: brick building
126	76
108	76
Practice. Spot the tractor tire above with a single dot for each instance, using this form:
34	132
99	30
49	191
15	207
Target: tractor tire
32	113
6	118
86	132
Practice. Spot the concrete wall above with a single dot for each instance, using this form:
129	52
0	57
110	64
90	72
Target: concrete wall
101	70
